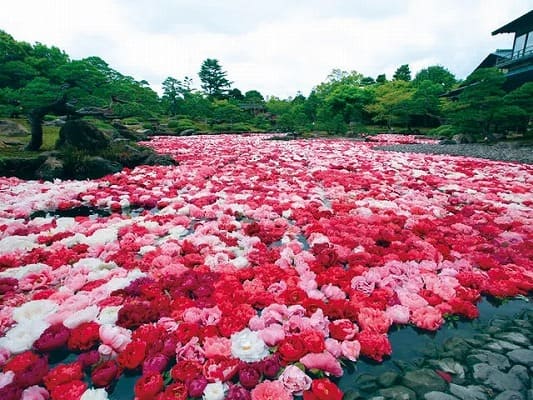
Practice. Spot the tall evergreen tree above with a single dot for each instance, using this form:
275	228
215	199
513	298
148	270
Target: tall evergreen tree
214	81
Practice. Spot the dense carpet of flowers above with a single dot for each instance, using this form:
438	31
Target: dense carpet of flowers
252	270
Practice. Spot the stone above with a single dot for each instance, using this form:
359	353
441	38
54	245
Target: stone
496	379
12	128
521	373
52	168
514	337
509	395
366	383
397	393
484	356
439	396
462	138
96	167
423	381
530	394
471	392
388	378
521	356
456	348
447	141
187	132
501	346
449	365
352	395
82	135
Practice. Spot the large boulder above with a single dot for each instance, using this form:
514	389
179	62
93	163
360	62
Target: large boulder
82	135
51	169
94	167
12	128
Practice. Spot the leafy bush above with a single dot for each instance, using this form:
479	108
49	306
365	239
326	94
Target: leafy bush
444	131
236	127
182	124
130	121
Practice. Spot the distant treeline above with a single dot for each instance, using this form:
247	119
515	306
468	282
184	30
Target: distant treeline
346	103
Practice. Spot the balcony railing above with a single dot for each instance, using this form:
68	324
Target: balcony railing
517	55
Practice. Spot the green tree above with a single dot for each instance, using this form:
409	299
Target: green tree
172	95
392	105
478	104
436	74
214	81
381	78
403	73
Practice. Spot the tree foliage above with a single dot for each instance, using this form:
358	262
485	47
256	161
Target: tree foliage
214	81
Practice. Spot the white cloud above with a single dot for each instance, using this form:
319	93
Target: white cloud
276	47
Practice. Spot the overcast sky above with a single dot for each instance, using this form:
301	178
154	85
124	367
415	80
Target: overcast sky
275	46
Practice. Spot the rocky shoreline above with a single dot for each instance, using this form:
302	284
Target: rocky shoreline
494	363
502	151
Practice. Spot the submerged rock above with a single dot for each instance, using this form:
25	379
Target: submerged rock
484	356
496	379
514	337
521	356
439	396
471	392
388	378
423	381
397	393
509	395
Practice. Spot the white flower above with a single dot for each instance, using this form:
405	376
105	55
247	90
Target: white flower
12	243
79	317
215	391
240	262
22	336
247	346
102	236
34	310
20	272
108	315
94	394
6	378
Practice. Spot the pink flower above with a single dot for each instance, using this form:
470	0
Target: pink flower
334	347
333	292
322	361
398	314
210	316
373	320
351	349
271	390
115	337
35	393
215	346
192	314
4	355
272	335
428	318
295	380
191	351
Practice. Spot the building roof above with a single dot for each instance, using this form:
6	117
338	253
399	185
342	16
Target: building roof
520	25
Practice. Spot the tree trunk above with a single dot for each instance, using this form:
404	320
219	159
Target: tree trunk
36	116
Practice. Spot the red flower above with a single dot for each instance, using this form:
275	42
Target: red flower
374	345
148	386
54	337
105	373
186	370
133	355
342	329
323	389
21	361
220	370
84	336
174	391
63	373
292	348
314	341
68	391
186	331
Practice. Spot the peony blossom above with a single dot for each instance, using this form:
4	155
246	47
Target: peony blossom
215	391
270	390
323	362
247	346
94	394
295	380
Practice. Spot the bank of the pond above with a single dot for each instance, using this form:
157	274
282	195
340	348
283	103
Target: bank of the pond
511	152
